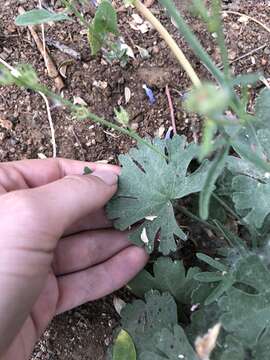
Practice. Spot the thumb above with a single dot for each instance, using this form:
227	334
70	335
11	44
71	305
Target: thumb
66	201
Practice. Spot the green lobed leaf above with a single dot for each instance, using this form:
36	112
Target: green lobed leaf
170	345
254	196
262	108
148	185
168	276
124	348
247	313
39	16
142	320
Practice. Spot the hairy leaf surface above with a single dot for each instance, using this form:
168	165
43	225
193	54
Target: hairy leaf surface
148	185
168	276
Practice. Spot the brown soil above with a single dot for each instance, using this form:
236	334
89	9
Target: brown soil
24	130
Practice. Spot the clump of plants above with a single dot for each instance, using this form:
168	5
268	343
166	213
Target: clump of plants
216	306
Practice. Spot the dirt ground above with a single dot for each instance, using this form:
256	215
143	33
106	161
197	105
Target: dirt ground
86	332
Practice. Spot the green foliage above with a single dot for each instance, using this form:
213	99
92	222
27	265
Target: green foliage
153	327
246	313
168	276
104	22
122	116
39	16
149	184
253	196
262	108
124	348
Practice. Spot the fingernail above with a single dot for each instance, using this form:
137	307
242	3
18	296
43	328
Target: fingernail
109	177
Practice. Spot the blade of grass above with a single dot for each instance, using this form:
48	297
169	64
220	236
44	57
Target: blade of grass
216	11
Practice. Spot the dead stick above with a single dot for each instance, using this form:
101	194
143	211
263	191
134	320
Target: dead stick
52	70
167	90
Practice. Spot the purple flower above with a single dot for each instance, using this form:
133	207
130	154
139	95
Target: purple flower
149	94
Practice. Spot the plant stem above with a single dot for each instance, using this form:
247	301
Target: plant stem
216	9
196	218
226	207
170	42
101	120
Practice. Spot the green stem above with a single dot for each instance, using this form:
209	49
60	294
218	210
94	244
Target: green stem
196	218
225	206
97	119
216	11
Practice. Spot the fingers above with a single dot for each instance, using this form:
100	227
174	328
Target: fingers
32	173
100	280
93	221
86	249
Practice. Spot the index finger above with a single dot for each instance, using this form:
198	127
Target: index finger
32	173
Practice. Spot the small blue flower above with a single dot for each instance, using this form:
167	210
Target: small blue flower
169	133
150	94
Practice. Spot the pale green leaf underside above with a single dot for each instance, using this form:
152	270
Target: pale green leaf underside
39	16
148	186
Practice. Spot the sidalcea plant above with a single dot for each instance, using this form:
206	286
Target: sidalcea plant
216	304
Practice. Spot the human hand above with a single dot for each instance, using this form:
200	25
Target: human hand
57	249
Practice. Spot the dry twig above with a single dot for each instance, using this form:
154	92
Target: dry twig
167	90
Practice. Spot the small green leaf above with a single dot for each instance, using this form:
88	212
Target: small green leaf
124	348
105	19
168	276
104	22
212	262
262	108
208	277
39	16
222	287
122	116
87	171
246	79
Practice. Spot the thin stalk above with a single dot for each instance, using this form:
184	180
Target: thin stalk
75	11
101	120
225	206
74	108
196	218
192	40
216	9
170	42
254	234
